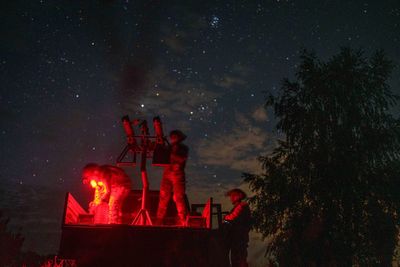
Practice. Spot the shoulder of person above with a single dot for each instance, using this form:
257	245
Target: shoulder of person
243	205
112	169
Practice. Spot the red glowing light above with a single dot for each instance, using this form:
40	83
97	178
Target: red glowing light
93	183
99	193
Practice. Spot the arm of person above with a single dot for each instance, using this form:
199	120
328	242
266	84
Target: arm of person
236	212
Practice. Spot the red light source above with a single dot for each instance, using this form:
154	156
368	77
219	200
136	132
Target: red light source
100	190
93	183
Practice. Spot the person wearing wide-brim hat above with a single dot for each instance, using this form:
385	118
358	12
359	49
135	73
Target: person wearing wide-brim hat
237	193
178	134
173	180
239	220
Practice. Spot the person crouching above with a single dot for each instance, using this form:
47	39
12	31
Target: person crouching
117	186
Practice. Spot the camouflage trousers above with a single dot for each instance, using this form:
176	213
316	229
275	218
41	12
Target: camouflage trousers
117	198
172	183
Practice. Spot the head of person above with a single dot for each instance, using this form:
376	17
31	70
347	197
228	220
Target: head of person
236	195
176	136
91	172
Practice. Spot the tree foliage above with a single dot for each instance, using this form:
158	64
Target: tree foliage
328	195
10	244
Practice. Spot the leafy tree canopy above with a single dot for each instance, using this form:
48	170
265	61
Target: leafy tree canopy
329	192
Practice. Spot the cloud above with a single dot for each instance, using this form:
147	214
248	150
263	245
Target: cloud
260	114
170	97
238	77
175	43
229	81
238	149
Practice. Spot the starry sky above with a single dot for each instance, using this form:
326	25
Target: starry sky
69	70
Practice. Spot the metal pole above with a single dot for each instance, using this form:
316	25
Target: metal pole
143	217
145	180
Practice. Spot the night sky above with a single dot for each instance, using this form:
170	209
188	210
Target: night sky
69	70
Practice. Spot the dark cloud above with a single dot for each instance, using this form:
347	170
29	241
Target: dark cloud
239	148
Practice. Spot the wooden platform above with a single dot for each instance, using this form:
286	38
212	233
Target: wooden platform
130	245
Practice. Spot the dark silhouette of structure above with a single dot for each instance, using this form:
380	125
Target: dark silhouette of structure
198	244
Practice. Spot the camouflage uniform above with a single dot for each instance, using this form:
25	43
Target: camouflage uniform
173	180
239	220
112	186
120	186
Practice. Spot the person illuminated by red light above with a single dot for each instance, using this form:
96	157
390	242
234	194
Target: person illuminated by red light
238	223
173	179
99	194
112	186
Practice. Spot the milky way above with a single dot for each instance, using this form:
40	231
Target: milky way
71	69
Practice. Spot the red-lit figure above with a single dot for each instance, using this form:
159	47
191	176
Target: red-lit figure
114	184
173	180
98	207
238	224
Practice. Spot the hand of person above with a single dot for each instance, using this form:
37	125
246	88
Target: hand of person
92	207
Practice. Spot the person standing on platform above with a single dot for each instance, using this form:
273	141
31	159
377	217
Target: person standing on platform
116	184
238	224
173	180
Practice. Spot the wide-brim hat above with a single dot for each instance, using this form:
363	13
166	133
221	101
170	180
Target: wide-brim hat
181	136
239	192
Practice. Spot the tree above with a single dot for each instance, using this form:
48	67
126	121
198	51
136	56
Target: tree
10	244
328	194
